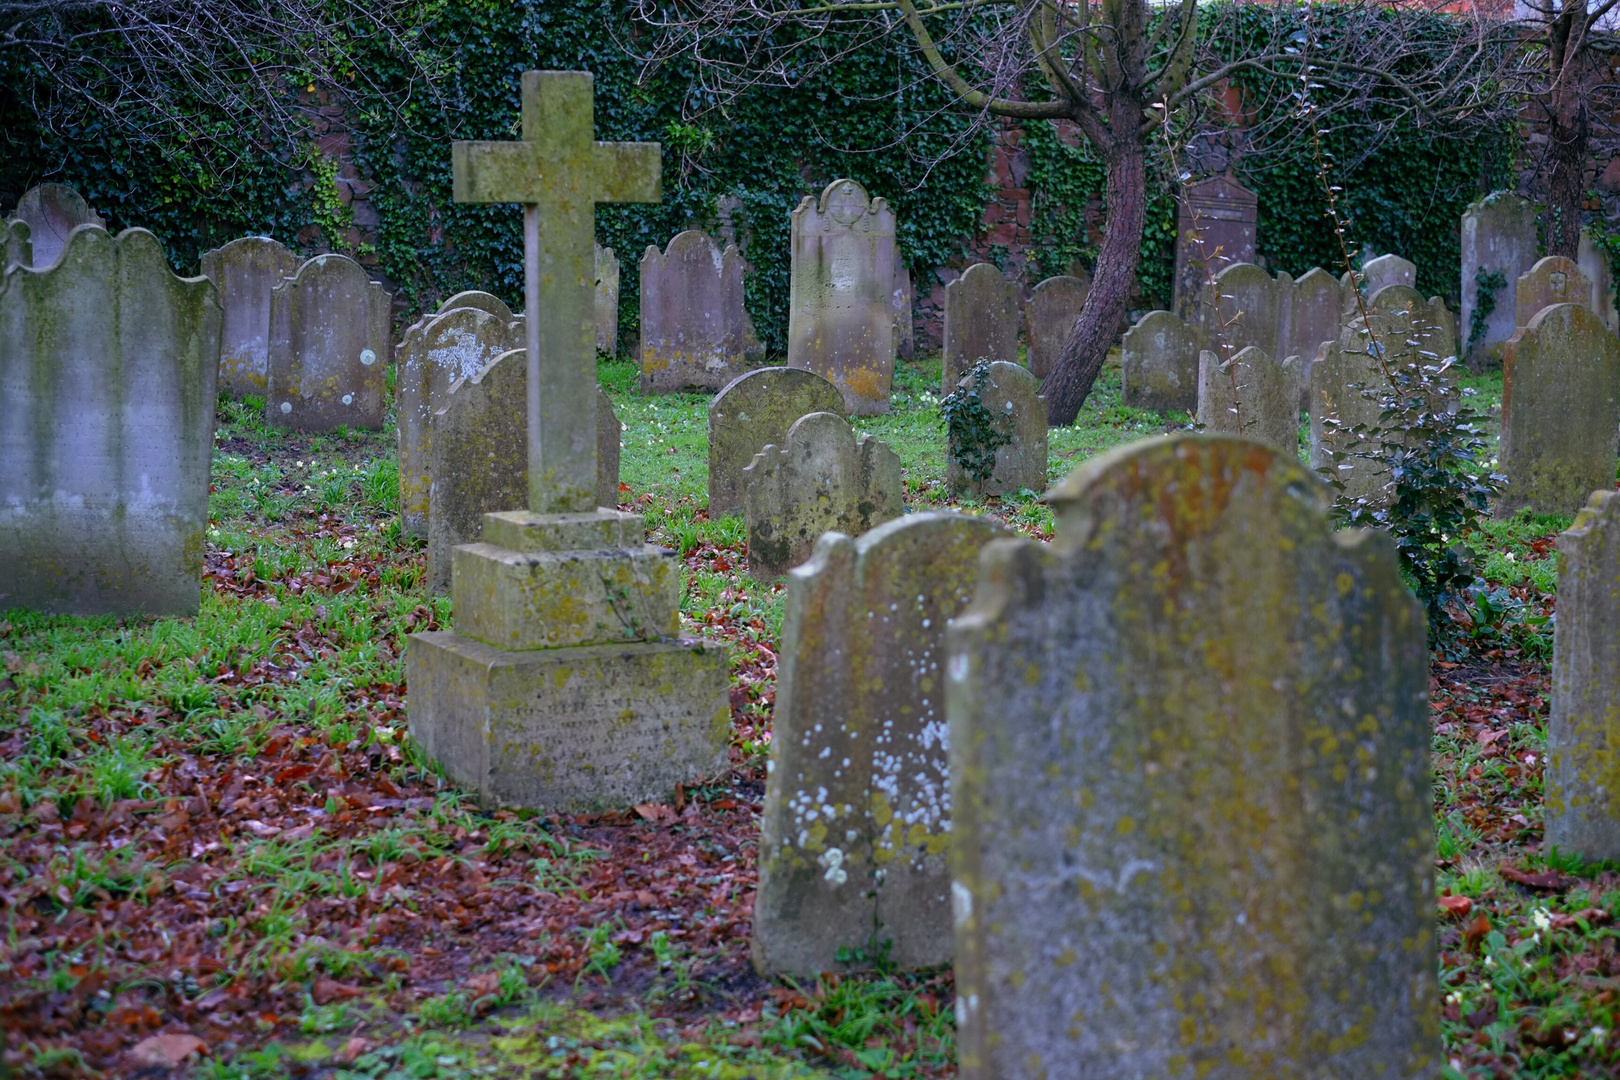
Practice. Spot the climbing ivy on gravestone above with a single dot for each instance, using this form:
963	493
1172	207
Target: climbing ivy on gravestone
973	433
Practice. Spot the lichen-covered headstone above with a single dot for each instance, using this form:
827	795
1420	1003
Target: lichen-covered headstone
1550	281
329	348
1012	396
1251	395
857	798
1583	730
478	298
108	364
1560	411
900	297
16	249
477	462
52	212
981	322
1594	263
434	353
841	307
607	300
1192	833
1215	224
1159	363
244	271
1498	237
821	479
757	409
1049	317
694	327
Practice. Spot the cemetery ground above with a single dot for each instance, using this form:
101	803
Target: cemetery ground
220	852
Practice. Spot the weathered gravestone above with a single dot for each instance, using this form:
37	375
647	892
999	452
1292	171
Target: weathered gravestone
476	460
434	353
1050	316
1311	318
607	300
900	296
244	271
329	348
821	479
1583	774
1433	332
1560	411
1189	756
1251	395
52	212
1552	280
756	409
16	249
1011	395
1215	226
1498	237
857	798
841	307
1245	306
1387	270
1159	363
107	382
1594	263
483	301
566	684
694	327
981	322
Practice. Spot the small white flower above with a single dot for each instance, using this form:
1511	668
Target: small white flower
1541	918
1486	986
1509	556
1490	962
1599	1034
1454	998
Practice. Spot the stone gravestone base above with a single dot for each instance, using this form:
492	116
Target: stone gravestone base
596	701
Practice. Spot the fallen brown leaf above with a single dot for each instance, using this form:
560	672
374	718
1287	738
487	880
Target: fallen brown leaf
166	1051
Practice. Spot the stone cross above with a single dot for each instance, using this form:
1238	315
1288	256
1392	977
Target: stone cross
559	173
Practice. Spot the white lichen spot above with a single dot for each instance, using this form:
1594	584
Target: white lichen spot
833	860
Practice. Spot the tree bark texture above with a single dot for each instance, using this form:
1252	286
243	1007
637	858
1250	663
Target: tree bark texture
1568	128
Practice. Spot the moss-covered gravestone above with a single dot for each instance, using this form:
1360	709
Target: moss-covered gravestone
607	300
107	377
1560	411
981	322
1498	238
1192	831
1015	417
330	343
694	329
1553	280
1245	306
52	212
16	249
565	685
857	802
1312	319
1251	395
1049	318
757	409
1583	732
821	479
1159	363
244	271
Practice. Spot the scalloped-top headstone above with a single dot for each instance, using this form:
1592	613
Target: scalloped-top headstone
607	300
52	212
244	271
329	348
1159	363
1049	318
1192	832
16	249
108	364
841	308
694	327
857	802
1560	411
1012	396
754	410
1550	281
434	353
981	322
1498	236
1254	396
1583	774
821	479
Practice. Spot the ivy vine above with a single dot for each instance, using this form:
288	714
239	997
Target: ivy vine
1487	283
972	432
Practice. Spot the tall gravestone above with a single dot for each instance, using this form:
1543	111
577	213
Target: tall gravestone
1049	318
1011	394
475	460
857	814
1583	776
52	212
694	327
1498	237
821	479
1594	263
434	353
755	410
566	684
840	311
1189	755
16	249
901	297
1550	281
1215	228
607	300
1252	395
1560	411
329	348
1159	363
981	322
244	271
108	364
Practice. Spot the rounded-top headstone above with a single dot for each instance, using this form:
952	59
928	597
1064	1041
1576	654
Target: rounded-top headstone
1053	309
52	212
245	271
981	322
756	409
477	298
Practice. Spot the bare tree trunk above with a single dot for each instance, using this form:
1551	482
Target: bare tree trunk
1567	128
1125	199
